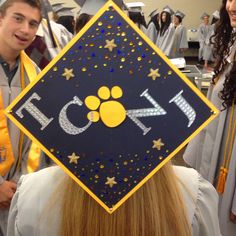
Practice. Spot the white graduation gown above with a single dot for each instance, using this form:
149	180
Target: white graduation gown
165	42
205	154
35	191
180	42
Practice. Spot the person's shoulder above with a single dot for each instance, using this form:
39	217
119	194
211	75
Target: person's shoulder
38	186
188	176
198	195
41	178
34	194
182	170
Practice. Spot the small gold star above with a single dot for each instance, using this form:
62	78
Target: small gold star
110	45
68	73
154	74
157	144
73	158
111	181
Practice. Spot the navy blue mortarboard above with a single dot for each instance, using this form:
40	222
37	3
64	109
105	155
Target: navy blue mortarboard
111	109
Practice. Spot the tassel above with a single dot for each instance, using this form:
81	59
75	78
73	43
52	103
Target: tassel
222	180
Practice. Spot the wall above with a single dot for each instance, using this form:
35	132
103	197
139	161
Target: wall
192	8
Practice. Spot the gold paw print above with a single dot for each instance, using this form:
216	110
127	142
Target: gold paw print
112	113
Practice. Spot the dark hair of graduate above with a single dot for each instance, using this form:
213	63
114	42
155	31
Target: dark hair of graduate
180	19
224	38
165	25
68	22
81	21
138	18
155	20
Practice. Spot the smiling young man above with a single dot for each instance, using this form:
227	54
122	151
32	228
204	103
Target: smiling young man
19	21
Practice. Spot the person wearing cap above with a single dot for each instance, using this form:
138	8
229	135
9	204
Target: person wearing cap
215	17
19	21
180	43
203	31
153	26
66	18
51	34
91	7
88	9
213	151
208	48
81	21
166	34
136	14
54	8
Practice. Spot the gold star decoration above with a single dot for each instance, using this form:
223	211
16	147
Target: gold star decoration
73	158
110	44
111	181
68	73
157	144
154	74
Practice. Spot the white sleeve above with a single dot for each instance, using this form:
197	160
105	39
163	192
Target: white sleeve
151	32
205	221
12	226
233	209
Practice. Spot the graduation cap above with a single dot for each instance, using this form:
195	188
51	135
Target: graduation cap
168	9
46	5
111	109
65	11
153	13
91	7
205	15
135	6
180	14
57	7
2	1
216	14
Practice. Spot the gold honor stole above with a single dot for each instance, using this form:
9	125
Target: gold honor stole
6	153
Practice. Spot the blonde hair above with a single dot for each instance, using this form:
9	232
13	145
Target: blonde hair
157	208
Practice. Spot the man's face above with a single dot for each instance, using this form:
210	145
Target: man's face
206	20
231	9
18	26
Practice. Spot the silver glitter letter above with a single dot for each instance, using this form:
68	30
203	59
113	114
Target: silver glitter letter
185	107
65	124
34	111
145	112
